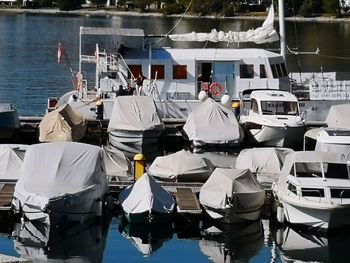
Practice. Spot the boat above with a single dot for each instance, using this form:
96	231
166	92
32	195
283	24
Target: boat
147	202
62	183
273	119
9	121
204	122
174	76
116	164
265	163
313	190
62	124
11	161
135	126
232	196
181	166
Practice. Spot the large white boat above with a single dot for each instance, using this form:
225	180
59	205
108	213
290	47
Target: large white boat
273	119
314	189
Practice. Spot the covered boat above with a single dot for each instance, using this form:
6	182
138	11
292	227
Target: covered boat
146	201
314	190
117	165
9	121
211	124
265	163
62	124
61	182
232	195
181	166
135	126
11	161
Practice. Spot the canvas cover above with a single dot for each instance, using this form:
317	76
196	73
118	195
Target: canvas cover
181	166
235	188
51	170
62	124
11	160
146	195
267	163
212	123
134	113
115	163
338	116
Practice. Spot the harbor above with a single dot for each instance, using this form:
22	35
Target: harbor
191	164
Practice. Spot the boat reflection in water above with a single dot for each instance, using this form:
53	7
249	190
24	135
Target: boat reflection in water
232	242
305	246
147	238
42	243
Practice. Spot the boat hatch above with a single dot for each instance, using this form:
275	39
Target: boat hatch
340	193
312	192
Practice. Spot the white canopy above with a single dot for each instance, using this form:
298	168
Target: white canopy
232	187
146	195
134	113
11	160
62	124
181	166
212	123
57	168
264	34
338	116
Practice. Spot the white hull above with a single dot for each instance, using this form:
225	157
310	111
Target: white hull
231	215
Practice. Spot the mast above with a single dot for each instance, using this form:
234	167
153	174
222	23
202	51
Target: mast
282	28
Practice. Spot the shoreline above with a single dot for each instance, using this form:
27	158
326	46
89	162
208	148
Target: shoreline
113	12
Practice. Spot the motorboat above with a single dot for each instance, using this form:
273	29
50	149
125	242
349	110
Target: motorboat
204	122
11	161
232	196
174	76
62	124
62	182
135	126
9	121
182	166
116	163
314	189
273	119
146	201
265	163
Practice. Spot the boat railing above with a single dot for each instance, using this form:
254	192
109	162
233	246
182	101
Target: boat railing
88	59
341	194
317	191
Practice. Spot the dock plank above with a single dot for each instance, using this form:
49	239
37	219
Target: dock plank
187	201
6	195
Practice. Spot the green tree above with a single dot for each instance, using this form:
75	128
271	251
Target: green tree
331	6
99	3
142	4
66	5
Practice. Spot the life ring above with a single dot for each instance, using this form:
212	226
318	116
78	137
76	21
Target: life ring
215	89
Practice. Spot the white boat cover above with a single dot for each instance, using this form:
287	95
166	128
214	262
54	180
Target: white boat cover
264	34
267	163
115	162
134	113
212	123
62	124
181	166
338	116
53	170
11	160
234	188
146	195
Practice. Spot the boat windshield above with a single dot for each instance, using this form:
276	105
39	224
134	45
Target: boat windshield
279	108
317	169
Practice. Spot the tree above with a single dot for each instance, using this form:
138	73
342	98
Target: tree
66	5
99	3
331	6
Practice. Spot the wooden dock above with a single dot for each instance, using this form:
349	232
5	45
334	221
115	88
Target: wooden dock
7	189
187	201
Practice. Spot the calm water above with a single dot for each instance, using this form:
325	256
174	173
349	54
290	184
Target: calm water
29	74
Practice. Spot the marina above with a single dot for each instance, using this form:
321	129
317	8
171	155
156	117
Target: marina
190	235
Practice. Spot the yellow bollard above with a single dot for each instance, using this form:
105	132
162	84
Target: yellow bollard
139	165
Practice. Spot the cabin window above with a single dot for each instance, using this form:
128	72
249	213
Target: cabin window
157	72
246	71
340	193
292	188
279	70
336	170
313	169
254	106
274	71
284	69
135	70
179	71
263	74
312	192
279	108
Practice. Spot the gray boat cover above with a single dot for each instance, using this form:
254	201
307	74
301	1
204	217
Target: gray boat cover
146	195
212	123
338	116
11	160
267	163
62	124
181	166
235	188
57	169
115	162
134	113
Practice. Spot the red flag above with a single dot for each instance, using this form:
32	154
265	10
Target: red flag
59	52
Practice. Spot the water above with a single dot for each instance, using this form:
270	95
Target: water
29	74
